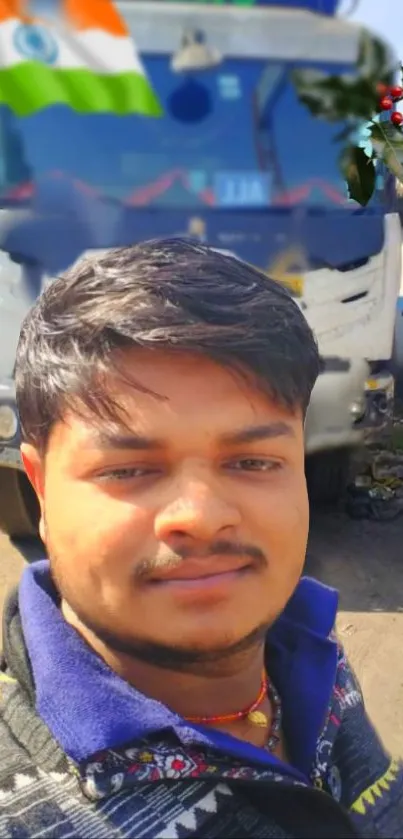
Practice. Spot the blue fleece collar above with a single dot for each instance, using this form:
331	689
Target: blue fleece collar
89	708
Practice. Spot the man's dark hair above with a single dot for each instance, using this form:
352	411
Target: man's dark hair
166	293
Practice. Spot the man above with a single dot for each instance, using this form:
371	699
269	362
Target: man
167	673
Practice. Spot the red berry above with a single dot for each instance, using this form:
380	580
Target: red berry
386	103
396	92
397	118
382	89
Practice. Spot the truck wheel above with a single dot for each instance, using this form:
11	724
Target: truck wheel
19	508
327	475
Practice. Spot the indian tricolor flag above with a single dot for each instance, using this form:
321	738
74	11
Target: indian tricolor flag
73	52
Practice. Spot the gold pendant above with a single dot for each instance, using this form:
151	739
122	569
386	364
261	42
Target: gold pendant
258	718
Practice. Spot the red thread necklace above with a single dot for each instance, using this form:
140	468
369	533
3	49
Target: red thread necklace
250	713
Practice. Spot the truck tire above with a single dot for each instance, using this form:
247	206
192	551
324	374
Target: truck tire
19	508
327	475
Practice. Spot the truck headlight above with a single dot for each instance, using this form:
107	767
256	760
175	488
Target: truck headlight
8	422
358	408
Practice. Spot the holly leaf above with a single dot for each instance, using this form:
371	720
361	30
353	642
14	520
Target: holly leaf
311	89
359	172
336	98
387	142
352	98
348	96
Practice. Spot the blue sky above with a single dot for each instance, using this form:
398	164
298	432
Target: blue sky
383	16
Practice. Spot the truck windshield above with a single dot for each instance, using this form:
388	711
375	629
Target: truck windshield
233	137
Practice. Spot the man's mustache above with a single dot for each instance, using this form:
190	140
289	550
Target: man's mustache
169	559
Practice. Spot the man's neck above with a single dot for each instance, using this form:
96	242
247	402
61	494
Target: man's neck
204	689
209	690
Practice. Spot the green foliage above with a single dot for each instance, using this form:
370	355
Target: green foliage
359	172
387	142
353	99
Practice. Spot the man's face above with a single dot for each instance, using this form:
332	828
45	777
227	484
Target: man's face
186	526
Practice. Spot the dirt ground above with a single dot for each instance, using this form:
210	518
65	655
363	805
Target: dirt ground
364	561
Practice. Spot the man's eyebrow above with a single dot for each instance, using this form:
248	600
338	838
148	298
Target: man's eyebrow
256	433
105	438
124	440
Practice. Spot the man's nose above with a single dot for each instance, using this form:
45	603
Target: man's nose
195	510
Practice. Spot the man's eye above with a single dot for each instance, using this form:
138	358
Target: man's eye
127	474
254	464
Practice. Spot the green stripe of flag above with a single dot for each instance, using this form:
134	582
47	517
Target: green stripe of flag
30	86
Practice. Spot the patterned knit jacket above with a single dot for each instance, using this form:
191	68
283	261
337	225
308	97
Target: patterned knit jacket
161	788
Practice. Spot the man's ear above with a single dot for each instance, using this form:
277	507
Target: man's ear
34	465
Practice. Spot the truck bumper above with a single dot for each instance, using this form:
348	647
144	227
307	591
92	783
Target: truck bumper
337	406
380	403
349	407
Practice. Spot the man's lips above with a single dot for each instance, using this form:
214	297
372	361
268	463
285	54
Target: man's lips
201	571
